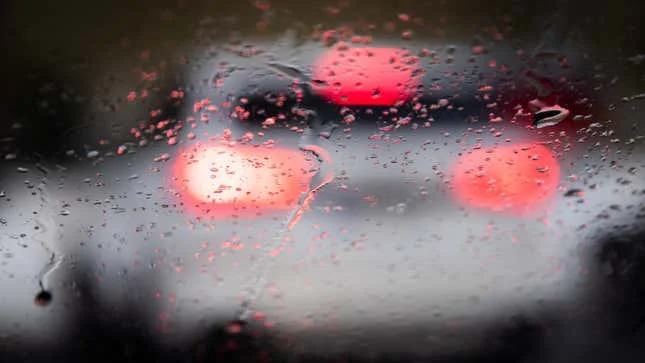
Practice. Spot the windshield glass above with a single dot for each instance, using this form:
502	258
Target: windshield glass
322	181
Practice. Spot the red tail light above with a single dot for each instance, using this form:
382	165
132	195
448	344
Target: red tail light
366	76
506	178
223	180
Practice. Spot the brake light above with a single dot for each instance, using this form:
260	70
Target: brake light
221	179
366	76
506	178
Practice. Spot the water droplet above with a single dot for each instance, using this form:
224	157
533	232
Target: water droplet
235	327
43	298
550	116
573	193
162	157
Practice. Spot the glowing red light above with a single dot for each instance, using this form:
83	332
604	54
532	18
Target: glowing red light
366	76
221	180
506	178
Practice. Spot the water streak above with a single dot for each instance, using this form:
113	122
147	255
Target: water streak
46	232
257	282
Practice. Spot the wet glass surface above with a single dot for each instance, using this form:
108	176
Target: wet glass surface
275	181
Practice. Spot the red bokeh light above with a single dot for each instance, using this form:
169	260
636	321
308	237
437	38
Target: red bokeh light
511	178
367	76
219	180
